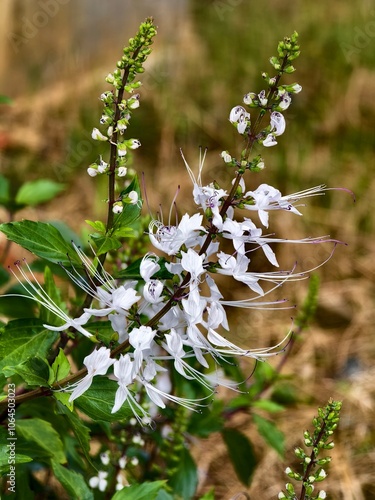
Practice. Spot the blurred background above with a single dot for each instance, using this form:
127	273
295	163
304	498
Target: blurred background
54	56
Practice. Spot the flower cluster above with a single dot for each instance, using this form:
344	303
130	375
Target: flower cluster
175	312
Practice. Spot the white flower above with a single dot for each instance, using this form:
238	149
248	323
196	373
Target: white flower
117	207
169	239
192	262
123	372
226	156
99	481
93	170
277	123
133	143
266	198
208	197
121	149
262	98
103	166
98	136
238	269
295	88
142	339
240	118
118	300
149	266
133	197
269	141
97	363
152	291
249	98
121	171
36	292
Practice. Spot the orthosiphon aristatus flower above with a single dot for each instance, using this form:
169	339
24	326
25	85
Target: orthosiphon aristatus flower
97	363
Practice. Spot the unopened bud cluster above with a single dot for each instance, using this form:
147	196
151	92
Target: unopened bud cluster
118	110
312	466
275	99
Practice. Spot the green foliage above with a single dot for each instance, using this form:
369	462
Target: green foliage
41	363
97	402
312	464
145	491
41	239
34	193
241	453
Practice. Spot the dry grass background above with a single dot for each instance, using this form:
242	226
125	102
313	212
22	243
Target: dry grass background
202	65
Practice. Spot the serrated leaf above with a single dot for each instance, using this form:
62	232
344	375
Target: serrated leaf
22	339
63	398
60	367
72	482
97	402
270	433
41	432
41	239
34	371
241	453
144	491
34	193
185	480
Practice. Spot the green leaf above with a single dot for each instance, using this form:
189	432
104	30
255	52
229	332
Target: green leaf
60	367
4	190
241	453
130	213
34	371
163	495
210	495
103	331
270	433
97	402
268	405
144	491
22	339
185	480
4	276
47	316
41	239
13	304
41	432
72	482
81	432
4	452
105	244
98	225
36	192
5	99
209	421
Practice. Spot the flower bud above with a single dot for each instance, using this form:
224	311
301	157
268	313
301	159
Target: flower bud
98	136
